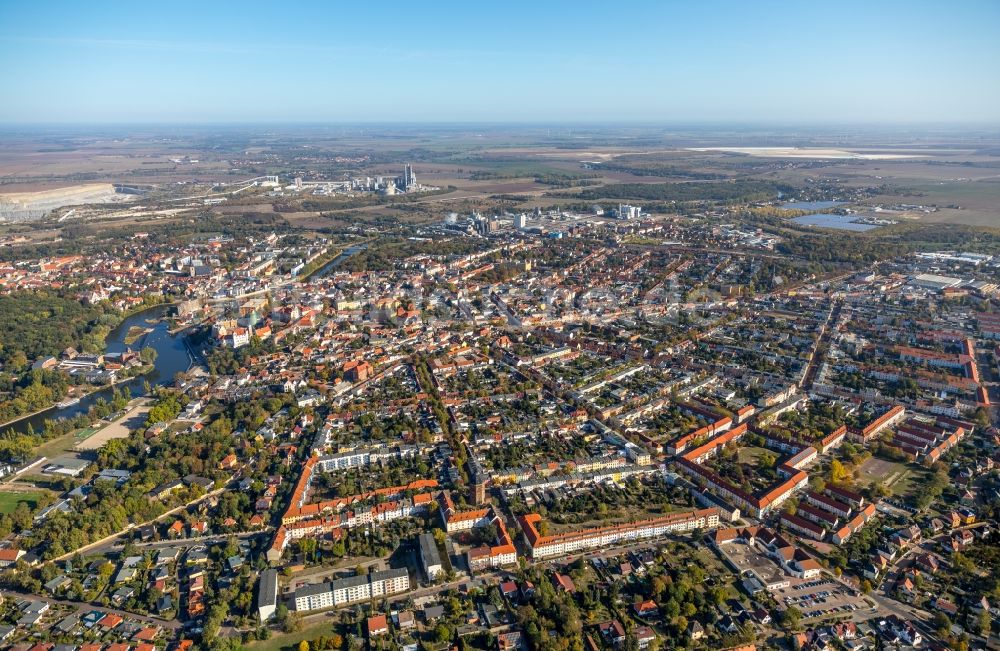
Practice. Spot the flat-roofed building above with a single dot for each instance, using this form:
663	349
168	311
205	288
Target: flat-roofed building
350	590
933	281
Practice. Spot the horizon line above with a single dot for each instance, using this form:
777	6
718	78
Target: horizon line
489	122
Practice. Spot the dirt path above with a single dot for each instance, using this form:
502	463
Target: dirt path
119	429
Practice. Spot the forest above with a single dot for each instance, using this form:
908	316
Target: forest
38	324
721	191
640	167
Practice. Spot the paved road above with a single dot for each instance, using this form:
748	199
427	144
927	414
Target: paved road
494	576
10	479
103	542
924	546
84	607
187	543
890	606
821	347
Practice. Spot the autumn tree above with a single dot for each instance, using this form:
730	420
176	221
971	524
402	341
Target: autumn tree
838	473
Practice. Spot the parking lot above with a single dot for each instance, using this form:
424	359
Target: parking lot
820	598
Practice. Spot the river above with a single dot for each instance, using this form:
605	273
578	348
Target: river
172	357
340	257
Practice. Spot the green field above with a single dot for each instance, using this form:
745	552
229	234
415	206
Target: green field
9	500
981	195
903	480
751	455
910	483
285	641
58	445
976	201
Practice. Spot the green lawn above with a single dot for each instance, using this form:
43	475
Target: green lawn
285	641
57	446
902	479
751	454
10	499
911	482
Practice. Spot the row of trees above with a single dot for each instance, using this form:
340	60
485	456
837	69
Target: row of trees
34	390
720	191
16	446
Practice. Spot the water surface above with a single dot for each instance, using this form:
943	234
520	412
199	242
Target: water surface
172	357
829	220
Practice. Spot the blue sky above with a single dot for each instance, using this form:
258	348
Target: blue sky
509	61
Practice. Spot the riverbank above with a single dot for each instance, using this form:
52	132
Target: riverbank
10	423
173	356
332	255
129	340
149	368
134	416
321	261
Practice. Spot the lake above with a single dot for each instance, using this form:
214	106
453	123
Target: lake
829	220
172	357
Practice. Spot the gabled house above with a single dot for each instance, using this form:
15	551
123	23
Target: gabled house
647	608
612	632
